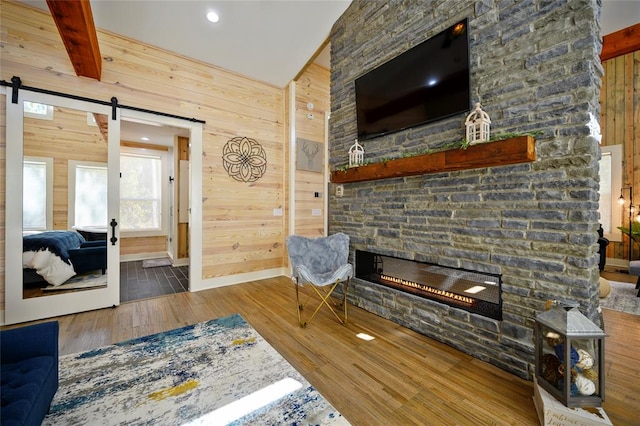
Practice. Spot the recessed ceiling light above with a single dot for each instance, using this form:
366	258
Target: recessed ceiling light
144	138
213	17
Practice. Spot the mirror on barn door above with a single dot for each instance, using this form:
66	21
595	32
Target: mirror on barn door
62	252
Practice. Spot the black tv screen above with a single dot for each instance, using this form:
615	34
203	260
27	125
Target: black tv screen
424	84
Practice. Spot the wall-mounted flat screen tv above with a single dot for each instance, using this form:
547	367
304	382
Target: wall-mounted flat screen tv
424	84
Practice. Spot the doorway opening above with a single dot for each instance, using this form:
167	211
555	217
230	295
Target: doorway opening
154	199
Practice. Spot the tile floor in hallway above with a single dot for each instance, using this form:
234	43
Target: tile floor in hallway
137	282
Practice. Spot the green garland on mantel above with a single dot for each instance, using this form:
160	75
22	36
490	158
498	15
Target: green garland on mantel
461	144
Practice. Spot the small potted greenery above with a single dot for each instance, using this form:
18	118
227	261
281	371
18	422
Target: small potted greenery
633	233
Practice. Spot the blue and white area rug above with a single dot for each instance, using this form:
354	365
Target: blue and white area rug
80	282
213	373
623	297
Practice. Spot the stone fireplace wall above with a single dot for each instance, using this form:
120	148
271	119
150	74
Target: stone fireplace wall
534	68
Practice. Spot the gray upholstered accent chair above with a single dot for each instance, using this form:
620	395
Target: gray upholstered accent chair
322	263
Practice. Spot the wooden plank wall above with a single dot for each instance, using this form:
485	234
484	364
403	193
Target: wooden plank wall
240	233
620	125
139	245
312	86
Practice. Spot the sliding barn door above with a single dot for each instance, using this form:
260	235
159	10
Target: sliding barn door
63	160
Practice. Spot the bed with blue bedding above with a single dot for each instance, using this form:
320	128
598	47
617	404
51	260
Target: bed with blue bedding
48	254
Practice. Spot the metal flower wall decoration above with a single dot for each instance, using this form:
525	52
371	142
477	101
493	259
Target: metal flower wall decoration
244	159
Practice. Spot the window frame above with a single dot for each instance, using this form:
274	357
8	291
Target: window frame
71	209
29	114
163	230
48	162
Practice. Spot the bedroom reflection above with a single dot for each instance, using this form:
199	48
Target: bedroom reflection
64	200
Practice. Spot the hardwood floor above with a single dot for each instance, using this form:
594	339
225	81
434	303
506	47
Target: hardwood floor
622	345
401	377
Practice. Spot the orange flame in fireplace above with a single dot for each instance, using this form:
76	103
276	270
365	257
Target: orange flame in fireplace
442	293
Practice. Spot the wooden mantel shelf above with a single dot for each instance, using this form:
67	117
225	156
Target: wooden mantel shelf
516	150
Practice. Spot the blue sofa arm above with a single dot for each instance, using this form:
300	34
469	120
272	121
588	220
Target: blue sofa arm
29	373
30	341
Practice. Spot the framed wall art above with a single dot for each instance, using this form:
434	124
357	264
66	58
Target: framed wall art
309	155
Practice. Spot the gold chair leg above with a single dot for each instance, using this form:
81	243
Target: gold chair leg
325	299
344	298
298	305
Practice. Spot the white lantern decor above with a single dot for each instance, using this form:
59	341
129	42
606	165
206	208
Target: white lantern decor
478	125
356	155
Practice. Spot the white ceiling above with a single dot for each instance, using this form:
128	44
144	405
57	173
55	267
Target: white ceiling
267	40
619	14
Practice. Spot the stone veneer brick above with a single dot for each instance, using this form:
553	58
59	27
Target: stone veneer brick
534	67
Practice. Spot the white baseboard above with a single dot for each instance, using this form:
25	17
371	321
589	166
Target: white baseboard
240	278
180	262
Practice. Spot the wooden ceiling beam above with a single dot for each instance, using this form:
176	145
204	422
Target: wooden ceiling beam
75	25
621	42
102	121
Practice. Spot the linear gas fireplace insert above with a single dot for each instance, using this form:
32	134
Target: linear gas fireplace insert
476	292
